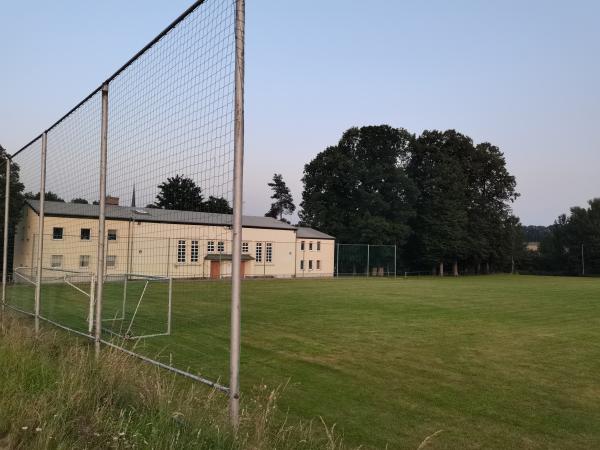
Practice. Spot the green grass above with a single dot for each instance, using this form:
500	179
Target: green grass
494	362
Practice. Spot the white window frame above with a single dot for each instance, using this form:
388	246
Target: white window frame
113	232
245	247
318	246
111	261
269	252
181	251
259	252
310	264
83	258
194	251
210	247
302	245
220	247
60	261
62	233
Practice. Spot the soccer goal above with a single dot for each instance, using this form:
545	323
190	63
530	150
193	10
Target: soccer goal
66	285
138	306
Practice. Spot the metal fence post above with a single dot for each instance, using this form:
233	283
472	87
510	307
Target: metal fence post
368	259
238	166
101	219
337	262
582	261
40	249
395	261
5	248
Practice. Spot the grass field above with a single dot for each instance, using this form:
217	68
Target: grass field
494	362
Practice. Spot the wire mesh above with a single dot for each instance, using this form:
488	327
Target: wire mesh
366	260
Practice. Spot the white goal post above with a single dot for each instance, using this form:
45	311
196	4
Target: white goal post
71	278
127	323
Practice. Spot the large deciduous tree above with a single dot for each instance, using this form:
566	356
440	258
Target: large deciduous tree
358	190
179	193
284	202
16	204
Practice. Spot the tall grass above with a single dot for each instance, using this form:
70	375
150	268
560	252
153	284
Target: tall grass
55	394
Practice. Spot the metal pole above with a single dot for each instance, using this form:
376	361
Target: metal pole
5	249
337	262
170	306
234	372
395	260
101	219
582	261
40	249
368	259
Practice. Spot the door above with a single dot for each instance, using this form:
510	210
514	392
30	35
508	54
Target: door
215	270
243	269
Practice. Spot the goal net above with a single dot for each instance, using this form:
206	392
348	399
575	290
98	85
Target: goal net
68	295
137	306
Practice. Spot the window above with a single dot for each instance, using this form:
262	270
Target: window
310	246
84	261
310	265
57	233
259	252
220	247
85	234
181	252
56	261
318	246
245	247
318	264
210	246
195	251
302	245
112	235
269	252
111	261
301	264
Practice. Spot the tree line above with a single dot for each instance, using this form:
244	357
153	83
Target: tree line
441	198
571	246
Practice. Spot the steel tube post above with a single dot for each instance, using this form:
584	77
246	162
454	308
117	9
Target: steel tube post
40	249
337	262
234	372
582	261
395	260
368	259
101	219
5	248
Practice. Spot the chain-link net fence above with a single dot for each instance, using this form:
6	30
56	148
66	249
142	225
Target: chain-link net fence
366	260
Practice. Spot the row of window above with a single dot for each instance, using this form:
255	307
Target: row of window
210	248
84	261
310	246
85	234
310	264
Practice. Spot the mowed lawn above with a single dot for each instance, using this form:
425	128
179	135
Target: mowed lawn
490	362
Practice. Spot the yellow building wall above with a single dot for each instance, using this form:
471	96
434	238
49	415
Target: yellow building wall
316	253
152	249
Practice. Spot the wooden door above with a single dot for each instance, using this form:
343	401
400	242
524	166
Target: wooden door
215	270
243	269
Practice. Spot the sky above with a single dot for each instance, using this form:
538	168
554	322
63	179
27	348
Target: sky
522	75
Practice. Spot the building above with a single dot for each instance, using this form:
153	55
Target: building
167	243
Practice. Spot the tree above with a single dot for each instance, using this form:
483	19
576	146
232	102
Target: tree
16	204
49	197
81	201
358	190
284	203
179	193
217	205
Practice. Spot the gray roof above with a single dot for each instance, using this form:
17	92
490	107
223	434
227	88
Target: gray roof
311	233
155	215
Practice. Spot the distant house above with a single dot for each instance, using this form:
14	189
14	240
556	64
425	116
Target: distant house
177	244
533	246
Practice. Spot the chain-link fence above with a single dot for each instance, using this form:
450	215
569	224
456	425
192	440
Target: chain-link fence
366	260
123	219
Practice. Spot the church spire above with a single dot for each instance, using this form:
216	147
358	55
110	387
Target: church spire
133	197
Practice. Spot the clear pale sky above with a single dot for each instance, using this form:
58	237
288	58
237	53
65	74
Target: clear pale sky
524	75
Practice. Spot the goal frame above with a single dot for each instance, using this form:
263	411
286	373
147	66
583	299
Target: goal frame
147	279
